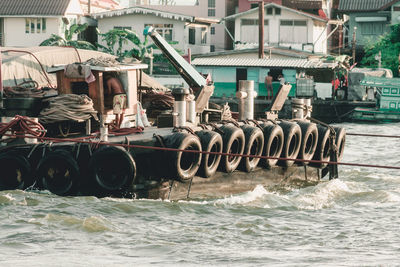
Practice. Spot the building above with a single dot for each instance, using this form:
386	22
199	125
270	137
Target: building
185	31
28	23
283	26
369	19
213	9
97	6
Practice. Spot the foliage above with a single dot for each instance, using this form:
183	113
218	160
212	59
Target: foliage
389	46
56	40
115	39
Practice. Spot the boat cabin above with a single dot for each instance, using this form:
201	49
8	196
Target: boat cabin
83	83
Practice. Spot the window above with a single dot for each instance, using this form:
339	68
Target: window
203	35
371	28
277	11
396	8
212	48
192	36
293	31
211	8
165	30
253	5
249	31
35	25
212	30
211	12
123	28
269	11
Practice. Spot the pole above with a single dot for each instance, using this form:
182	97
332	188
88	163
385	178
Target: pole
354	45
89	7
261	29
340	37
1	83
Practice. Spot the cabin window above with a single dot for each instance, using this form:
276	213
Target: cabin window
35	25
165	30
293	31
192	36
212	48
249	31
203	35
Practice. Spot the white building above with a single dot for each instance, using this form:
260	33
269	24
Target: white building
283	26
28	23
187	31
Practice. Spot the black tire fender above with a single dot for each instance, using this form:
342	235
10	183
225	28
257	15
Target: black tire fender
183	165
340	141
16	171
210	142
273	143
309	133
254	144
322	149
291	144
58	172
112	168
233	140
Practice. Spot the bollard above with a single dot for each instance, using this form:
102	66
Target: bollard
191	109
301	108
246	95
179	114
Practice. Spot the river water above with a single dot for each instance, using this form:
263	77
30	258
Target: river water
353	220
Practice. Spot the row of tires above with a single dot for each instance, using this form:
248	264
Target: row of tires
247	146
112	170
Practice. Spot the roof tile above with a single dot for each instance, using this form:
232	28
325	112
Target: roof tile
33	7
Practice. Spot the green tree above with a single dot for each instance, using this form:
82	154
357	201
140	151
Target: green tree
116	39
389	46
56	40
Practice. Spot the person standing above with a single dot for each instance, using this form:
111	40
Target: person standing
113	86
268	85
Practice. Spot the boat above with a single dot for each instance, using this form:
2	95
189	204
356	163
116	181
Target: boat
69	144
387	106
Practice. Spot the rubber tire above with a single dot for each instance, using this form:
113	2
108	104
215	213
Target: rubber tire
180	165
322	149
16	165
254	144
233	140
273	144
291	144
120	169
59	173
210	142
340	141
309	133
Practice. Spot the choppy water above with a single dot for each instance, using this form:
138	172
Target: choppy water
350	221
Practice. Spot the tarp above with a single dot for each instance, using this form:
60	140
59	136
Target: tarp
18	64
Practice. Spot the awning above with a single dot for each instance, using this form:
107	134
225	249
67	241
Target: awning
370	19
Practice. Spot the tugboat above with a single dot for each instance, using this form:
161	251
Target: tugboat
387	109
71	147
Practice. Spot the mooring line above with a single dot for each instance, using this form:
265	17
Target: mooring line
374	135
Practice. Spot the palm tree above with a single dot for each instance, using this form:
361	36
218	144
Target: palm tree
56	40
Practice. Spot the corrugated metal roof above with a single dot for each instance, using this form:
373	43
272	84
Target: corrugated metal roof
145	11
33	7
363	5
249	62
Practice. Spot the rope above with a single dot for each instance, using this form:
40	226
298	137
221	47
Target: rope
374	135
68	107
21	125
59	140
21	91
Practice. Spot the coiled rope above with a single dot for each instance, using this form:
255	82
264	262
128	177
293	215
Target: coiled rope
22	126
68	107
